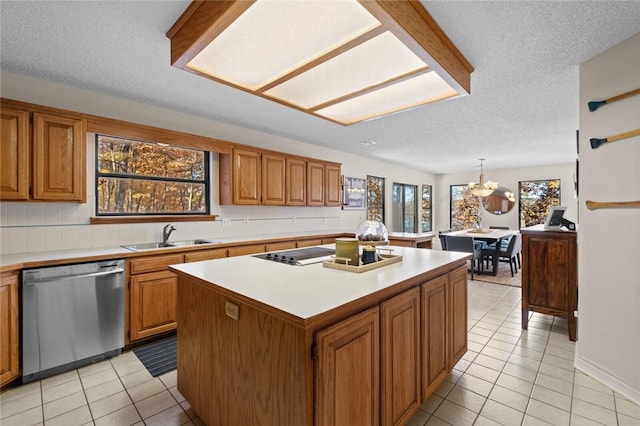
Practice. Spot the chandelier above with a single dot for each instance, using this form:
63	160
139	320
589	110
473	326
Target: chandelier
482	188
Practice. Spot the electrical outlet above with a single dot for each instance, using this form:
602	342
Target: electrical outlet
246	220
324	220
293	219
226	221
232	310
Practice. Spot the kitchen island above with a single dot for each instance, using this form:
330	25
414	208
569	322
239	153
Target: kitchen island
262	342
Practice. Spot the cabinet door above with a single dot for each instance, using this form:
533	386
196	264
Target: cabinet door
457	315
333	186
400	340
9	343
315	184
434	334
246	177
273	182
549	274
14	154
59	158
296	187
153	304
348	372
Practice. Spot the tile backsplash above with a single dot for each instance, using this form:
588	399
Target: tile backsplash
35	227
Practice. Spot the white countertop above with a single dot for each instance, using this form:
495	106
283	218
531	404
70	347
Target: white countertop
306	291
82	254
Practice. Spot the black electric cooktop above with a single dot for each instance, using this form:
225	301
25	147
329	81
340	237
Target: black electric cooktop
302	256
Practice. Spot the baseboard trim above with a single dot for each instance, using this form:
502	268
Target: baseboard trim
593	370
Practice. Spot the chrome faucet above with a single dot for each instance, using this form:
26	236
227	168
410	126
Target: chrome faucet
166	232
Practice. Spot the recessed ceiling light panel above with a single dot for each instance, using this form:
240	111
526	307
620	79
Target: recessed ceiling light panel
345	61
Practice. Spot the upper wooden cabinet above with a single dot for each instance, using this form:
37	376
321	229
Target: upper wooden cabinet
273	180
315	183
49	166
14	154
333	185
296	186
254	177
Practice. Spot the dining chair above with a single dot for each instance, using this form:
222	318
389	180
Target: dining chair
443	240
508	254
465	245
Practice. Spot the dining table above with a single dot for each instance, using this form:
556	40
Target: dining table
489	236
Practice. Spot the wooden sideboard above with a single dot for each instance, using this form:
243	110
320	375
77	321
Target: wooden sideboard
550	274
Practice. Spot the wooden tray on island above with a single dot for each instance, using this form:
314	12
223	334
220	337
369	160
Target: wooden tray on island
386	259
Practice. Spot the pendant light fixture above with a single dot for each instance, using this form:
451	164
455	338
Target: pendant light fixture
482	188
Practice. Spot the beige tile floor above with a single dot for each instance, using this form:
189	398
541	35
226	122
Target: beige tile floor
508	377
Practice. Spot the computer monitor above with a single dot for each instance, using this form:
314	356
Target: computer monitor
554	219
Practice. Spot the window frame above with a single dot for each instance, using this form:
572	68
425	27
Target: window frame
382	197
404	186
142	217
429	208
477	214
552	203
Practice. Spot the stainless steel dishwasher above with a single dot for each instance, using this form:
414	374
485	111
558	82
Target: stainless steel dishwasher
72	315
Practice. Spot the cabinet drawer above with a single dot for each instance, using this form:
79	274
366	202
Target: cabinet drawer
309	243
285	245
205	255
155	263
242	250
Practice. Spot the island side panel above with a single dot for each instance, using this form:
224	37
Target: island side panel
245	371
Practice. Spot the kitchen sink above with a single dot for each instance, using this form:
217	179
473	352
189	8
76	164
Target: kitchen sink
168	244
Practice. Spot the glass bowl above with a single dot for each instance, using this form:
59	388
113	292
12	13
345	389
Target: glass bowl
372	232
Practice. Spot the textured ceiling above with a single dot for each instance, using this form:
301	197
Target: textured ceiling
522	111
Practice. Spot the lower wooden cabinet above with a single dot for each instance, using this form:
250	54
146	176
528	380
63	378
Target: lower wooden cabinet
152	295
434	324
9	337
400	357
153	304
348	372
423	334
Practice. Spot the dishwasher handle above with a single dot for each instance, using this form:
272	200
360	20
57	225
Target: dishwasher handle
71	277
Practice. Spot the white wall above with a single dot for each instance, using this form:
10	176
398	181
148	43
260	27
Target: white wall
609	240
508	178
34	226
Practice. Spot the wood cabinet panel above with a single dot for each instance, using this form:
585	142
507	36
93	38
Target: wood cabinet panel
284	245
400	361
154	263
309	243
59	158
328	240
14	154
250	249
273	179
246	177
9	332
348	372
333	186
434	332
549	275
153	304
315	183
457	315
205	255
296	186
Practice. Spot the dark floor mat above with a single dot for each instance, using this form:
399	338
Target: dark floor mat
158	357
